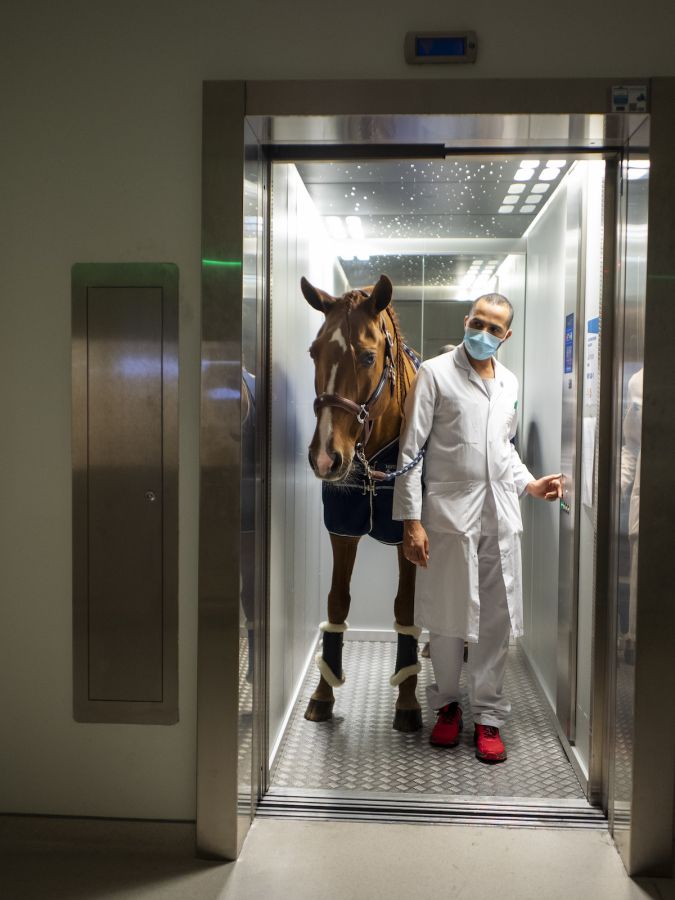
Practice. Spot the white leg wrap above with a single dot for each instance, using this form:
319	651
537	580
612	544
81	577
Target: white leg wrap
411	630
333	629
400	676
328	673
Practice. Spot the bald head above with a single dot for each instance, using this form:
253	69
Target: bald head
495	300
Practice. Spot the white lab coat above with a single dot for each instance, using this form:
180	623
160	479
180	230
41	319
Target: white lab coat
468	452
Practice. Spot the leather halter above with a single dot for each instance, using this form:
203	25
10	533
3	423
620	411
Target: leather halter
363	411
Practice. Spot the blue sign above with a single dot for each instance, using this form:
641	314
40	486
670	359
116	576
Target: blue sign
569	343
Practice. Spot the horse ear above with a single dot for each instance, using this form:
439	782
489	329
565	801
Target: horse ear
318	299
380	296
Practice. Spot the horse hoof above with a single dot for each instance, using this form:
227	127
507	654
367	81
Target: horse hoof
407	720
319	710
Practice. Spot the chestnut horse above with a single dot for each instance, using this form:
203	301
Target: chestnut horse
362	373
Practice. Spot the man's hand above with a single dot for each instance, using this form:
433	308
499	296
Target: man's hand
548	487
415	542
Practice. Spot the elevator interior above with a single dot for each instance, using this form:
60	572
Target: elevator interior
530	225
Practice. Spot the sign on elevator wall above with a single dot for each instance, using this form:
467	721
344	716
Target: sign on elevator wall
629	98
569	343
591	379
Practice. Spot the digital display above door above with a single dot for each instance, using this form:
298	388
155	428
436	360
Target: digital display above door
441	47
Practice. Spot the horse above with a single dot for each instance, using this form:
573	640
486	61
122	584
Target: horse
362	373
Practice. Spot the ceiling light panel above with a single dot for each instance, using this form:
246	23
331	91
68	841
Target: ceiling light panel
336	228
354	227
549	174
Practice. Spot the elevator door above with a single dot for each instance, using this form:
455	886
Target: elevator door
218	770
625	533
580	375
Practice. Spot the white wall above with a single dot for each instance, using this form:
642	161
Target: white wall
100	161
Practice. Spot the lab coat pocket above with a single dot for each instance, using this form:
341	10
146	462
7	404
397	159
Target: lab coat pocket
508	507
452	506
509	422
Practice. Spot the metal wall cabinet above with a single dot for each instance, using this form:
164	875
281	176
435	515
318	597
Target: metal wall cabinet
125	492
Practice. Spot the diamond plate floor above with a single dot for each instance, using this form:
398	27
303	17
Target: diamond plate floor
625	711
359	751
245	708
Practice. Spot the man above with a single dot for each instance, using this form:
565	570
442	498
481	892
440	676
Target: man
464	532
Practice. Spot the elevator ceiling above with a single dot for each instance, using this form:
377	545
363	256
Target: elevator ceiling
453	198
422	221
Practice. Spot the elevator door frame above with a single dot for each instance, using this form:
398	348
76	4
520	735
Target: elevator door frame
227	104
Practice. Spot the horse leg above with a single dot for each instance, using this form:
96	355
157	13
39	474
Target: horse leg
408	715
329	660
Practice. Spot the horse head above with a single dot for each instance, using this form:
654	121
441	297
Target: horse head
355	372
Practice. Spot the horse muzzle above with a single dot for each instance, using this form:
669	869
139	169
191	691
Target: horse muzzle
329	466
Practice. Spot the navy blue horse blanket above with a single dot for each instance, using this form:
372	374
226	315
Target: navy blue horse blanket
348	511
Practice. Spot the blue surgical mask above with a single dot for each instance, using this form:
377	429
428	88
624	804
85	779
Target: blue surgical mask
480	344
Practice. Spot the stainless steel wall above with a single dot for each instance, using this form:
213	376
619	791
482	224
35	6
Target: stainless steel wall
651	826
221	824
544	325
299	246
590	373
511	283
629	380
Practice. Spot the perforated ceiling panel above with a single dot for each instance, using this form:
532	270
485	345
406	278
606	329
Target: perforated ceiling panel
393	215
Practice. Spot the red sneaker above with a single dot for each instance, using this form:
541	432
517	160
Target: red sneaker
489	746
448	726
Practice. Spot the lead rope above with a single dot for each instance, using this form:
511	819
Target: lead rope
373	475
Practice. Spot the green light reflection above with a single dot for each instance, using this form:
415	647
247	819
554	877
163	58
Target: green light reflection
222	262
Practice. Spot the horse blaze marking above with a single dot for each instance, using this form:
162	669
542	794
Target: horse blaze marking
324	460
338	337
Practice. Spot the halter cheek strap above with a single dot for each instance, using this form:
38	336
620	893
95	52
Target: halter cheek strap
363	411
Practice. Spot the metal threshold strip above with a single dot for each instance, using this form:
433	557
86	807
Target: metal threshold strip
429	809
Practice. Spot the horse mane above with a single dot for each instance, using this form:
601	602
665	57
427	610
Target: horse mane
402	373
356	298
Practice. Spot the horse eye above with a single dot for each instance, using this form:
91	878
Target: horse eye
368	358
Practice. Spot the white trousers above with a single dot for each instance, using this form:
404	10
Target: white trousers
487	658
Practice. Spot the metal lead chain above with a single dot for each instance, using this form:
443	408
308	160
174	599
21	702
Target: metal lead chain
374	475
389	476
